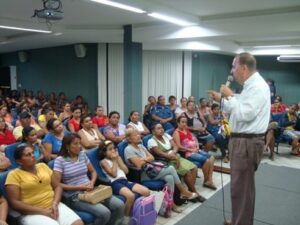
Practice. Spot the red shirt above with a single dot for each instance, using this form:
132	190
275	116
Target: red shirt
100	121
278	109
75	124
7	138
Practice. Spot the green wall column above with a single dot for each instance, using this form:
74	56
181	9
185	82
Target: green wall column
133	54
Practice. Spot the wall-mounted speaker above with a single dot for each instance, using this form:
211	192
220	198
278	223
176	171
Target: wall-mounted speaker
80	50
23	56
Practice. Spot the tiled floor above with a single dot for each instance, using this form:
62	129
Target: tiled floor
282	159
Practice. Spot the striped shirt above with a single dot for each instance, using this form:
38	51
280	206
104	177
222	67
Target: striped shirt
73	172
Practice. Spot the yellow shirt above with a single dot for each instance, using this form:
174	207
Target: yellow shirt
35	190
17	132
42	118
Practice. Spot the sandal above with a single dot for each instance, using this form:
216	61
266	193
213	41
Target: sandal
210	186
177	210
193	196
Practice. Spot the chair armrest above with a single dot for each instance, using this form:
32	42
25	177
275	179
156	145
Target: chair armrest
102	180
14	217
134	174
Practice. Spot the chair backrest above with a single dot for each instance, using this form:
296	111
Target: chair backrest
121	149
51	164
170	131
94	158
101	130
146	139
3	176
9	153
278	117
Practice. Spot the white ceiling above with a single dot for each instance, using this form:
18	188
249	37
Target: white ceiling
227	26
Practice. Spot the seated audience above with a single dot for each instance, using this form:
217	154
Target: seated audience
25	121
53	139
4	162
90	137
6	135
278	106
30	140
289	122
33	191
47	114
40	98
203	108
61	102
81	104
100	119
173	106
161	113
52	101
197	126
114	130
147	110
136	155
3	210
74	122
6	116
271	133
24	108
162	146
187	143
213	126
134	122
71	168
183	107
116	171
66	114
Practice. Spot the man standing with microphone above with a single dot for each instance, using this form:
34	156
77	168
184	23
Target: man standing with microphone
249	118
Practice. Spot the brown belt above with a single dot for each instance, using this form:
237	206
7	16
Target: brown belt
243	135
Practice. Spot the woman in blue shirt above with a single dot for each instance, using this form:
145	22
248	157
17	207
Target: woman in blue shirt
53	140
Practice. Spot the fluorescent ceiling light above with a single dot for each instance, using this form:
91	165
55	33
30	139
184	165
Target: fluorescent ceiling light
25	29
277	51
191	32
288	58
119	5
273	46
171	19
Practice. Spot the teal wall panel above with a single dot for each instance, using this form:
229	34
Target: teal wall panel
133	54
209	71
285	75
58	69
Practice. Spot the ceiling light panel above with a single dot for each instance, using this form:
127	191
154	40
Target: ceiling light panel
120	6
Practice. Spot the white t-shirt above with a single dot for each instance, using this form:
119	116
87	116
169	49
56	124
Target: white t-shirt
167	145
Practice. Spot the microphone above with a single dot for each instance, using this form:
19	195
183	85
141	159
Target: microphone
229	80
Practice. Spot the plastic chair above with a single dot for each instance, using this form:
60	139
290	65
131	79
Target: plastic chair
170	131
9	153
146	139
86	217
280	137
102	178
135	173
13	216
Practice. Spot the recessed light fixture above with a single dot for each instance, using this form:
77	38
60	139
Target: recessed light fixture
171	19
57	34
119	5
25	29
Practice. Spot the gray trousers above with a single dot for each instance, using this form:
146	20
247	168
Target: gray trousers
245	156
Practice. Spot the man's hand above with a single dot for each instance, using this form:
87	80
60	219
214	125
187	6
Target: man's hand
214	95
226	91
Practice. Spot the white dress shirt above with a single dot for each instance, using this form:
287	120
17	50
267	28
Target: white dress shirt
250	111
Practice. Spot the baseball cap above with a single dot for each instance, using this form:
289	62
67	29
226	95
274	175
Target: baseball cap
24	115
